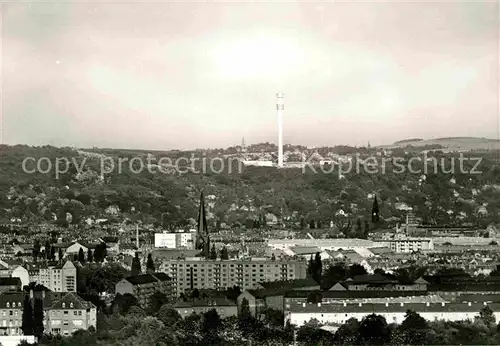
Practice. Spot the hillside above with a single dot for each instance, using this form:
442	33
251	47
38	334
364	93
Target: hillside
233	198
464	143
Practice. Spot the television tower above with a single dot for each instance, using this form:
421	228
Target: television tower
280	107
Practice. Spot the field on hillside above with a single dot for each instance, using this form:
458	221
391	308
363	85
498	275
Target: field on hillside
464	143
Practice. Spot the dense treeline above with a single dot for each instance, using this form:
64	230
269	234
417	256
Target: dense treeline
298	197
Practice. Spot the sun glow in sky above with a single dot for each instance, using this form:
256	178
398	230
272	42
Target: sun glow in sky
258	57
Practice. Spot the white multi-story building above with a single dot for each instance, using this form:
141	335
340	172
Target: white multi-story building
59	278
408	245
174	240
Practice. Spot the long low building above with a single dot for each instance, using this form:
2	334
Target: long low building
299	314
325	244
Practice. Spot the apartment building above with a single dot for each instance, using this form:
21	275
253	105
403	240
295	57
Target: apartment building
144	286
69	314
409	245
200	273
64	314
300	313
174	240
58	278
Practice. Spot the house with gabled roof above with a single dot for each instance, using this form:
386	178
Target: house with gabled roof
144	286
70	313
65	313
271	294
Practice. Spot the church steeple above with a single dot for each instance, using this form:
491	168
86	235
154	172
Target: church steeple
375	211
202	238
243	145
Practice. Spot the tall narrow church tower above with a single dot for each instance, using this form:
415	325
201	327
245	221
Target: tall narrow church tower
243	146
375	211
202	237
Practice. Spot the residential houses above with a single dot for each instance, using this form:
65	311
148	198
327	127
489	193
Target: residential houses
64	312
223	306
56	277
271	294
144	286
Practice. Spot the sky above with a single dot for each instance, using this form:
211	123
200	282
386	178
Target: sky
165	75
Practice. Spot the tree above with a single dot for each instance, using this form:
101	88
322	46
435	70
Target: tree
413	321
318	268
245	318
52	253
27	318
224	255
150	264
213	253
90	256
232	293
312	225
81	256
311	334
359	228
195	294
38	318
357	269
311	267
373	330
366	230
156	301
211	325
60	255
100	252
36	250
334	274
273	317
136	265
375	211
487	316
314	297
347	334
168	315
413	328
47	250
122	303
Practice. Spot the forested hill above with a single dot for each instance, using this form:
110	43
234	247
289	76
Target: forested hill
232	198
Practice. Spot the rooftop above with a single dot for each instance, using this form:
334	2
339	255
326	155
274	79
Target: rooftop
391	308
217	301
